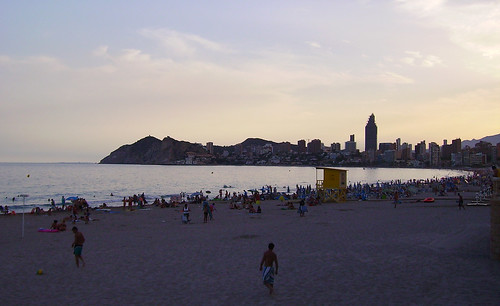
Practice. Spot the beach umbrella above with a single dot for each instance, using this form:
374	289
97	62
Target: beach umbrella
72	198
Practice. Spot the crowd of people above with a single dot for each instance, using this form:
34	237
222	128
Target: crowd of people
436	186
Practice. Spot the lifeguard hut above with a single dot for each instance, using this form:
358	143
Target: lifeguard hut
331	184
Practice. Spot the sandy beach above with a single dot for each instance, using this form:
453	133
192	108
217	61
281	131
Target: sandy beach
354	253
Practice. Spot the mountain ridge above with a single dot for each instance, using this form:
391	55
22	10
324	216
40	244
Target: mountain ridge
168	151
493	139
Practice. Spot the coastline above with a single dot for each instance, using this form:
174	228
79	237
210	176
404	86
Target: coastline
96	183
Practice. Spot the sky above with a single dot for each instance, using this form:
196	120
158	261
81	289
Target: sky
78	79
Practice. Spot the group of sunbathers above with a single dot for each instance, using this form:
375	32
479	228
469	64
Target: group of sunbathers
59	226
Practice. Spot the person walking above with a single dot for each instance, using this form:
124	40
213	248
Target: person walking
78	246
268	261
460	202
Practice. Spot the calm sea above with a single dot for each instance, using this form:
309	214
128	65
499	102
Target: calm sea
96	183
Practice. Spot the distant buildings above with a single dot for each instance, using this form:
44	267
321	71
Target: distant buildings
314	152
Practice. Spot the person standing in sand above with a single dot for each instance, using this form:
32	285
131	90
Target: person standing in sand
206	210
268	260
460	202
396	198
185	212
78	246
302	208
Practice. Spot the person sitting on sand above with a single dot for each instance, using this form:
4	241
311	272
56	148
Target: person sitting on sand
54	225
62	226
251	209
87	215
234	206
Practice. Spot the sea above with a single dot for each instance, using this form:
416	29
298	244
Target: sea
27	185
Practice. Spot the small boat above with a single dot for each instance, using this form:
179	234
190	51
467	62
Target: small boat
429	200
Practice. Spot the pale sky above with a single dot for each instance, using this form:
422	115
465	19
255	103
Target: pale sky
78	79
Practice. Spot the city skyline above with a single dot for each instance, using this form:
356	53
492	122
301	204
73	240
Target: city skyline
79	79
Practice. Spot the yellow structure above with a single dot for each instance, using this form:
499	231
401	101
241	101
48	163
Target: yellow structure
331	184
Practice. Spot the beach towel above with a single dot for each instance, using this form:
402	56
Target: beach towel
268	275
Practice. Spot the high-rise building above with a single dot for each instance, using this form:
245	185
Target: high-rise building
385	146
301	144
406	151
446	150
398	144
456	145
350	146
314	147
434	154
420	151
371	134
335	147
210	147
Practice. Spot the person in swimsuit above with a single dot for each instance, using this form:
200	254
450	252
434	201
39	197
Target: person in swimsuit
206	210
186	211
77	246
268	260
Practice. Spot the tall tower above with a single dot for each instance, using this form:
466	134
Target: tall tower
371	134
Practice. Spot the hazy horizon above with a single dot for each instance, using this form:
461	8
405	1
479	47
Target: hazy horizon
80	79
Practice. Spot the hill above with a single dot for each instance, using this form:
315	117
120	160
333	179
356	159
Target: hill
494	139
152	151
